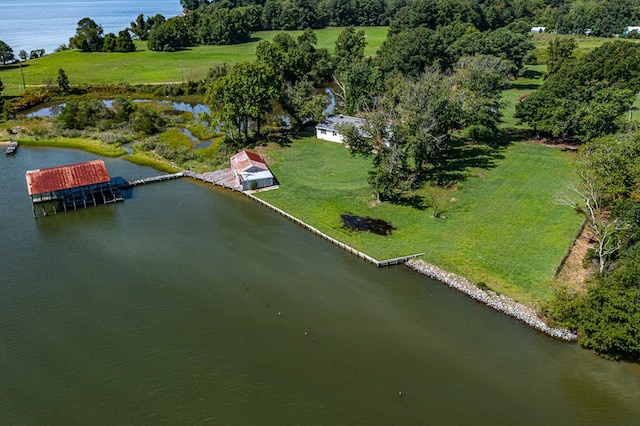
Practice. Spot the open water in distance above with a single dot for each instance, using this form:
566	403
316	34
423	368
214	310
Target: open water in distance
46	24
190	304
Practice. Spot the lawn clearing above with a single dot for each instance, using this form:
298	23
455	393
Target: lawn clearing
147	67
503	229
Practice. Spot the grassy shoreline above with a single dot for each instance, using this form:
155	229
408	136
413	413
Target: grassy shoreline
503	229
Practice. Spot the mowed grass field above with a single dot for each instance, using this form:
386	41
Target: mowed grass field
501	228
144	66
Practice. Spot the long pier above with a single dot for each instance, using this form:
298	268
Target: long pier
152	179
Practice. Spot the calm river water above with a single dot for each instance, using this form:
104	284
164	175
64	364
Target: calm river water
46	24
189	304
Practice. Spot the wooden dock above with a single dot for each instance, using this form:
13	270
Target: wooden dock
223	178
11	148
153	179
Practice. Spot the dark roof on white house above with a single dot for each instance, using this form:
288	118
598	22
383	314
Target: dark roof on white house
333	121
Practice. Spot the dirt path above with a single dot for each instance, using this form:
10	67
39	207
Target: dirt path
573	274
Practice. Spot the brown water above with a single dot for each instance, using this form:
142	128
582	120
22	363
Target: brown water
187	304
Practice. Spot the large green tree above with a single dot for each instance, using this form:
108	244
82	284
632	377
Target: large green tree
410	52
479	81
6	53
242	98
169	36
89	36
560	51
587	97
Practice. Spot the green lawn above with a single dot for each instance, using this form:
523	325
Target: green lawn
145	66
502	229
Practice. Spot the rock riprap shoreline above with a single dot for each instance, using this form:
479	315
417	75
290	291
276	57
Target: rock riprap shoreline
496	301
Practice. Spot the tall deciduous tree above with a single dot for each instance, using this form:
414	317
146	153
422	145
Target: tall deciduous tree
411	51
377	137
560	52
6	53
302	104
359	82
124	43
243	96
88	36
169	36
479	82
350	46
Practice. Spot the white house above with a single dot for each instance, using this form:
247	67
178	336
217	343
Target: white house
538	29
629	29
327	129
251	171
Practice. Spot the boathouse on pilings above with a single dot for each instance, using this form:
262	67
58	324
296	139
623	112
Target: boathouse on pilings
72	186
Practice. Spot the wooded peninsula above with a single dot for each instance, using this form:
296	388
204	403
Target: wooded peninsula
500	138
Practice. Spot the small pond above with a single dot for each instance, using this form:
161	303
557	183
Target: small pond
196	109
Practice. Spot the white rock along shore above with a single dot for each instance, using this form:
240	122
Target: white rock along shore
496	301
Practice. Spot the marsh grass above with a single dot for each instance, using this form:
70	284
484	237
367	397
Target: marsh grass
90	145
150	160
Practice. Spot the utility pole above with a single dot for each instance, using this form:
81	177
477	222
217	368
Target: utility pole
22	74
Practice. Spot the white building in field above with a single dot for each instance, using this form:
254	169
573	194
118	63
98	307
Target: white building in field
538	29
328	129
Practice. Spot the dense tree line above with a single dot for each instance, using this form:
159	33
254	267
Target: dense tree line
583	98
232	21
90	37
602	18
607	316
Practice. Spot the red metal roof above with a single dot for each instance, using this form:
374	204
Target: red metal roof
244	160
65	177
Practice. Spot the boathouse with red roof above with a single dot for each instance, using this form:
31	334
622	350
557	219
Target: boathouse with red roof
251	171
72	186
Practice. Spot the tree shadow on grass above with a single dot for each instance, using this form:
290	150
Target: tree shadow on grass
408	200
279	138
526	86
461	155
532	74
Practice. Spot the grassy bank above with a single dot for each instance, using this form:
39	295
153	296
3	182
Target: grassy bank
89	145
502	229
147	67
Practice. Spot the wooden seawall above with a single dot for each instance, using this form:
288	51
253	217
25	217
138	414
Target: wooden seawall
379	263
224	178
